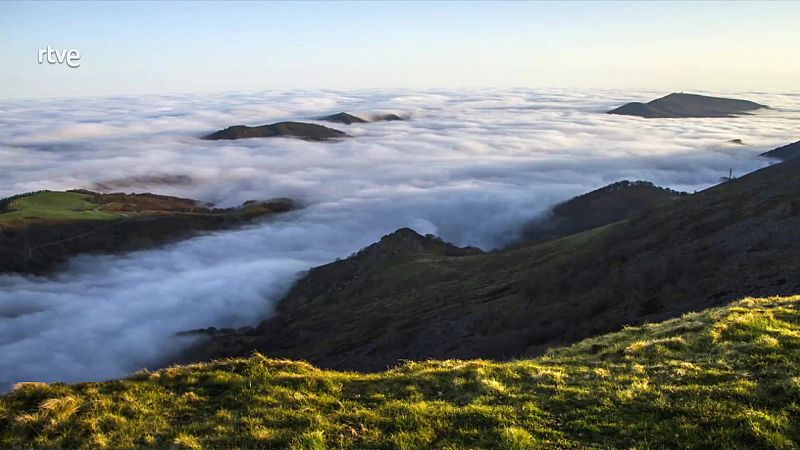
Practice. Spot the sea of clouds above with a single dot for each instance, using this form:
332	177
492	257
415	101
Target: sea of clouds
469	166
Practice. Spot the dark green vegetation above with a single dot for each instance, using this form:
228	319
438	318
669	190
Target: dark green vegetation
344	118
687	105
40	230
410	298
784	153
603	206
722	378
306	131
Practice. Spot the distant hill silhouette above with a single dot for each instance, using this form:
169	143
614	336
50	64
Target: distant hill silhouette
784	153
306	131
348	119
386	118
686	106
343	117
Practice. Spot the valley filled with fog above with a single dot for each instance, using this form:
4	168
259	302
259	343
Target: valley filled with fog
468	166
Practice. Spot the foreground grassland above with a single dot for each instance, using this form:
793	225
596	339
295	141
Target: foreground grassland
56	206
723	378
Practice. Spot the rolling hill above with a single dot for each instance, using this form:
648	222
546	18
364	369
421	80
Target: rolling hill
680	105
415	300
721	378
42	229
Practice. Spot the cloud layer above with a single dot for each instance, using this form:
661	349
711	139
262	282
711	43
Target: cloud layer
470	166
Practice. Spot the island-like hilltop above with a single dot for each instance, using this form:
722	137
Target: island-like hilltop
39	230
349	119
680	105
300	130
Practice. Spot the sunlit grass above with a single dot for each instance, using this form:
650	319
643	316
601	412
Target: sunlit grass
54	206
723	378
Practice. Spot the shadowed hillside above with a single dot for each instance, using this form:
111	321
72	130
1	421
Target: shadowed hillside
784	153
697	251
723	378
688	105
603	206
40	230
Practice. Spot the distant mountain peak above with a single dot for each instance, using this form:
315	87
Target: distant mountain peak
684	105
342	117
301	130
406	240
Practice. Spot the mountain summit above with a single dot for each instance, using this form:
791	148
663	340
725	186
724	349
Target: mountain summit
680	105
343	117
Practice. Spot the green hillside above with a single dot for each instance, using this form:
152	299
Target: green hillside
55	206
723	378
41	230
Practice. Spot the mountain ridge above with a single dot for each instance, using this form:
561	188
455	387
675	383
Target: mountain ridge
786	152
711	247
603	206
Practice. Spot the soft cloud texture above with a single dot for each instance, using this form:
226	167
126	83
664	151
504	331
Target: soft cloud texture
470	166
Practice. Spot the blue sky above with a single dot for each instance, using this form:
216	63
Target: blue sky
154	47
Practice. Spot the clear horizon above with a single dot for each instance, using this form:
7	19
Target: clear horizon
161	48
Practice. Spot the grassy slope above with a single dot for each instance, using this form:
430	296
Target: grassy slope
722	378
56	206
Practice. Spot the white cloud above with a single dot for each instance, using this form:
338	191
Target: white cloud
471	167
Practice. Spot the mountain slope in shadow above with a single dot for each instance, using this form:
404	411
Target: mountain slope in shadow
603	206
784	153
737	239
